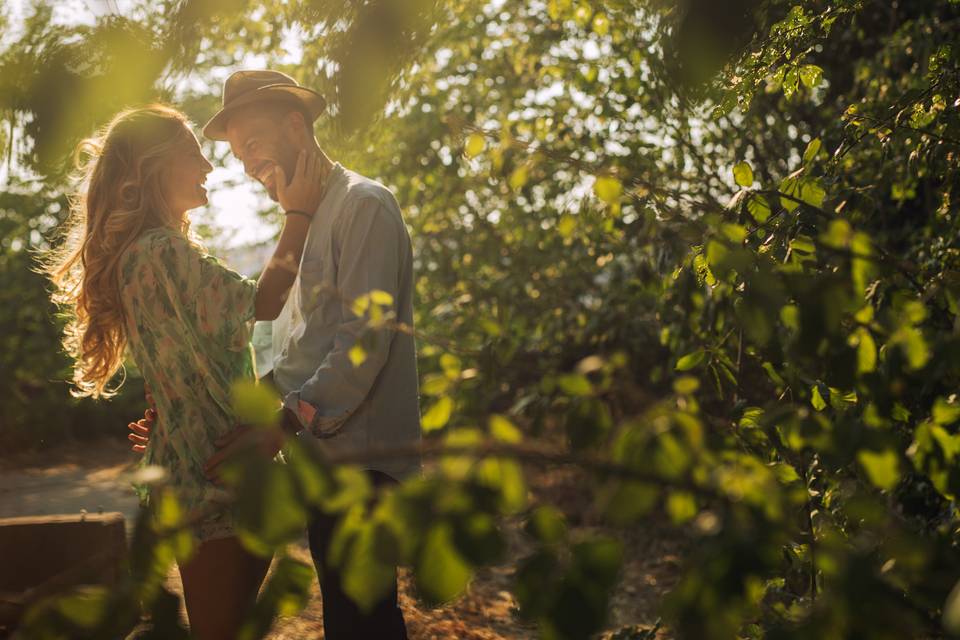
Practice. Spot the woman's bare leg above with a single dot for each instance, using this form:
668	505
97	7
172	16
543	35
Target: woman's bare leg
220	585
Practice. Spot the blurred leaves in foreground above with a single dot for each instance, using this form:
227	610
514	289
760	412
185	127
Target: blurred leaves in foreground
705	252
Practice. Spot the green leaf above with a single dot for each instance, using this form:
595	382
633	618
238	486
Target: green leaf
360	305
734	232
547	524
575	384
478	539
475	145
791	81
685	385
312	474
582	14
913	345
813	147
743	174
810	75
785	473
286	593
672	457
381	298
681	506
451	365
866	351
691	360
802	189
628	501
357	355
566	225
758	207
254	404
588	422
812	192
816	398
838	234
601	24
519	177
506	477
441	572
951	611
458	466
608	189
502	429
351	487
944	412
803	244
790	317
600	559
435	384
437	415
369	572
913	311
271	513
86	606
882	468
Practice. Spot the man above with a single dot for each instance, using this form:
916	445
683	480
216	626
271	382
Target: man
357	242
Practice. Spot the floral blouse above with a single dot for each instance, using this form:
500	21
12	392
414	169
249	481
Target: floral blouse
188	322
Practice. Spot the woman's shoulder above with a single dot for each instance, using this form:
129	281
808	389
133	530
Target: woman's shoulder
158	241
157	247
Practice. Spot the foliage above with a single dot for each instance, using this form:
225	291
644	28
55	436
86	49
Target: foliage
708	254
36	409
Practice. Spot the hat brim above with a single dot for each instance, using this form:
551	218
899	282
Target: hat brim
216	127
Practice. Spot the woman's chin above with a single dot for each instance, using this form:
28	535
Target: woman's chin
199	202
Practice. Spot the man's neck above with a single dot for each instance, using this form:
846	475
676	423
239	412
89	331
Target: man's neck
326	164
325	160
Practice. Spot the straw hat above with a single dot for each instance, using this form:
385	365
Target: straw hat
249	86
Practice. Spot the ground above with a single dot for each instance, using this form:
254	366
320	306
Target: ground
90	477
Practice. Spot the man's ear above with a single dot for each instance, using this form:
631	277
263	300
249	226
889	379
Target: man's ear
296	125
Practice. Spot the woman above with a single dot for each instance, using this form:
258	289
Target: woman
133	278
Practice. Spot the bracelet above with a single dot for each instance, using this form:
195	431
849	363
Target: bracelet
297	212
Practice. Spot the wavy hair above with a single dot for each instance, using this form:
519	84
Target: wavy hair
118	195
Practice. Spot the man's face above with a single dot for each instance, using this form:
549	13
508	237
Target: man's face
262	141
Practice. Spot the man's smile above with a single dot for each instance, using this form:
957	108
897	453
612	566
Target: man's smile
264	173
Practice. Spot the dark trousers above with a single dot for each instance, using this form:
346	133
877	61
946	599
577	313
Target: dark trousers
342	619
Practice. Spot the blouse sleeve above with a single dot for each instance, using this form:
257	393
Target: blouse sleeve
194	288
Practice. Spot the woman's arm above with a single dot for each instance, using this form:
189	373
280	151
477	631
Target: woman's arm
302	196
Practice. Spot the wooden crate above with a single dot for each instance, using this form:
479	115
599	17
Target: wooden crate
41	555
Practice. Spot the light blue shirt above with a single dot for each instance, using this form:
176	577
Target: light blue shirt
357	242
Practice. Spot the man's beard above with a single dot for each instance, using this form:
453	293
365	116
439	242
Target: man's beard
288	162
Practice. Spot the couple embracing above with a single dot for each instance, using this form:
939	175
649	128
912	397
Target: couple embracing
136	280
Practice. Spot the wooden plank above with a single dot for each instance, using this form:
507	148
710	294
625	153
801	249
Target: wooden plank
41	555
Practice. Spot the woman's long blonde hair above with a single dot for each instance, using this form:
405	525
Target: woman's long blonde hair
119	195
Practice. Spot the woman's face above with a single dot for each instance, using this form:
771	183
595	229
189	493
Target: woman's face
183	180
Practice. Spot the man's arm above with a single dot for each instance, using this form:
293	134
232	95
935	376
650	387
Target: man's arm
371	239
302	195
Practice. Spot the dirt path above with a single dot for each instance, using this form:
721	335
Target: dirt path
91	478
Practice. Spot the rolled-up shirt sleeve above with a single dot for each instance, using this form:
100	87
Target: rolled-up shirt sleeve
369	239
